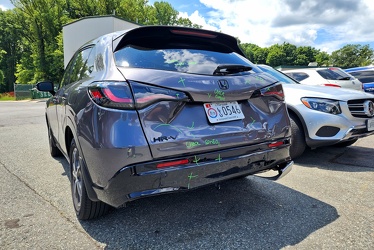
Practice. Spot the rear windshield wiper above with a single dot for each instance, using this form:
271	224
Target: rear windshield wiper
231	69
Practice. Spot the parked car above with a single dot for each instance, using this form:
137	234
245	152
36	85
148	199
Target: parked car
323	116
161	109
365	75
331	77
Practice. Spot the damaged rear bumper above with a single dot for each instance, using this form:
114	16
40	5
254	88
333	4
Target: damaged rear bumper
141	180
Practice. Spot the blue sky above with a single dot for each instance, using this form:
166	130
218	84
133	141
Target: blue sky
327	25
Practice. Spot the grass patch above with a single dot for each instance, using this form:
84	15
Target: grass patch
9	96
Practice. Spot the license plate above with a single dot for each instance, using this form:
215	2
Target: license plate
370	124
223	111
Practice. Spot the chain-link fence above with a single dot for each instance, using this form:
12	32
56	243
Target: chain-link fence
28	91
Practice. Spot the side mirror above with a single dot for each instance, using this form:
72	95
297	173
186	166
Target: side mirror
46	87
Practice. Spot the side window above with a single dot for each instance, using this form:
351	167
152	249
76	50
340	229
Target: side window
77	68
89	67
298	76
364	76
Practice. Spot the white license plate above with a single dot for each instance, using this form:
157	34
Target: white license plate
370	124
223	111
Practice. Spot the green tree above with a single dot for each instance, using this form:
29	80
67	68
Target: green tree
305	55
249	50
323	58
10	47
42	21
352	55
276	56
290	52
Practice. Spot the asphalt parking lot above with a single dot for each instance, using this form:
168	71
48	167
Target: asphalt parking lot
326	202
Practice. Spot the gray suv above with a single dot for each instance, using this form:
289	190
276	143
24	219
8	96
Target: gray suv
159	109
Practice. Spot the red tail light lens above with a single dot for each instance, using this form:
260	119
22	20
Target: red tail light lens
275	90
193	33
331	85
146	95
275	144
172	163
112	95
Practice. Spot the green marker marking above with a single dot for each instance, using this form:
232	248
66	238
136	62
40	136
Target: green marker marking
190	177
219	158
196	160
209	95
247	81
182	81
253	121
192	126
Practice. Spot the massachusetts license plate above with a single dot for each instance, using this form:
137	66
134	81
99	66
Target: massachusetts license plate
370	124
223	111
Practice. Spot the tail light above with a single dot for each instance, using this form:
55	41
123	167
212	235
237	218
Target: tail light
193	33
276	144
331	85
146	95
112	95
172	163
120	95
275	90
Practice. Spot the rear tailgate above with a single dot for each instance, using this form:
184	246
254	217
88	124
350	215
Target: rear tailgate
186	124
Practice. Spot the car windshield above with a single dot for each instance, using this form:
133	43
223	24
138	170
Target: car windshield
195	61
278	75
334	74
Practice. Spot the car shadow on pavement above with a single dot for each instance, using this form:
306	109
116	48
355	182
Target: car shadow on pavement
248	213
348	159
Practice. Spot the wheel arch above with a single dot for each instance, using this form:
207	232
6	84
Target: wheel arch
70	134
292	111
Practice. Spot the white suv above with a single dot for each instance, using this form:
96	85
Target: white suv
332	77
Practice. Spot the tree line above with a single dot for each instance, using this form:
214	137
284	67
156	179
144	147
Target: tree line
351	55
31	47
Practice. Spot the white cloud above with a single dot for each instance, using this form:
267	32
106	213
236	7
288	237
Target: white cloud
325	25
2	7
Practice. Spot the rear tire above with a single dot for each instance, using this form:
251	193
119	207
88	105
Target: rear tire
53	149
345	143
85	208
298	144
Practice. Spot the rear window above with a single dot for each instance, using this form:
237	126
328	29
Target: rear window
334	74
366	76
182	59
298	76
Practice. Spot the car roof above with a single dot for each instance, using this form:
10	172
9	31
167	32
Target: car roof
305	69
360	69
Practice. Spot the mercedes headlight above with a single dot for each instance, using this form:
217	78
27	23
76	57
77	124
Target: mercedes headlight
323	105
